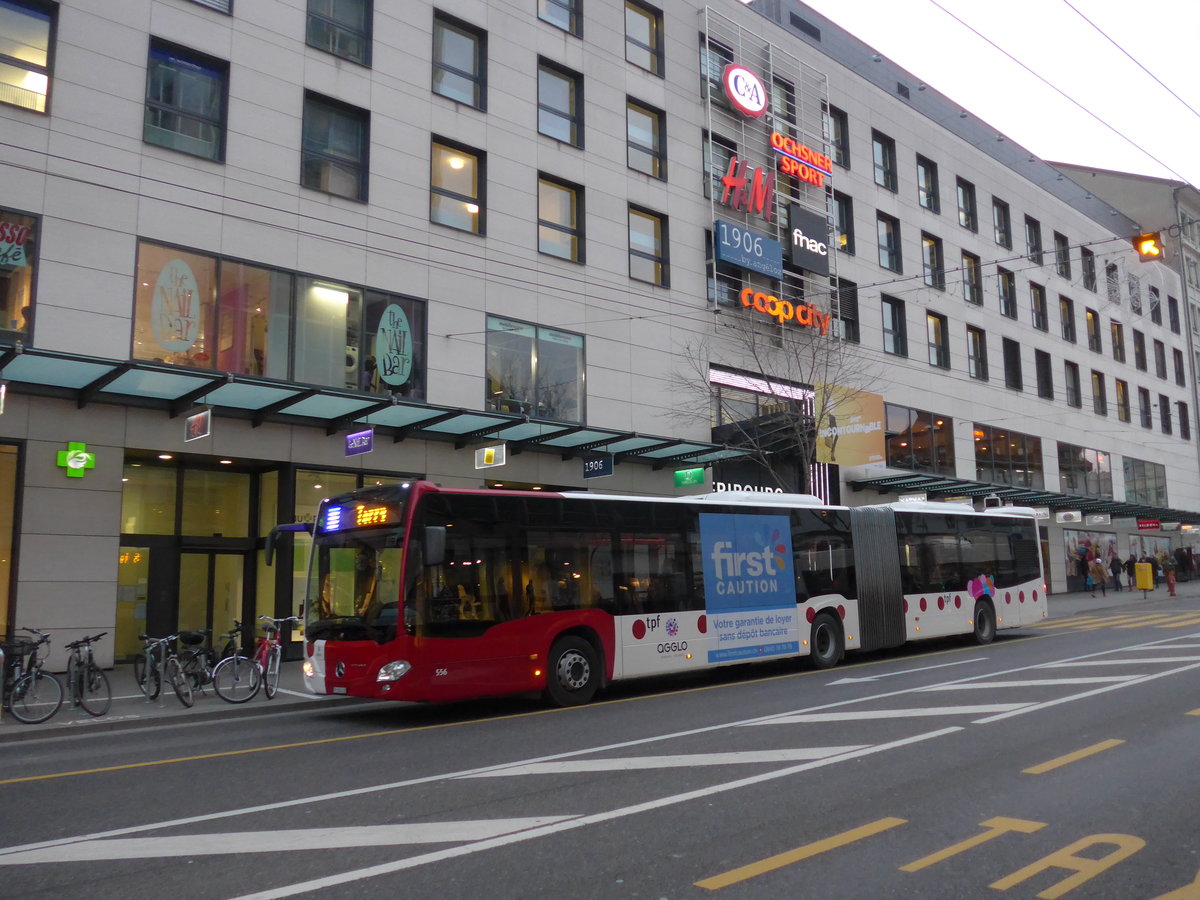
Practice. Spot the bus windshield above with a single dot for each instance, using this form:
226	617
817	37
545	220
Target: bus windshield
354	585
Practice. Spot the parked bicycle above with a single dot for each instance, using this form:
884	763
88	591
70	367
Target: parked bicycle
268	652
30	694
237	677
159	662
87	685
200	660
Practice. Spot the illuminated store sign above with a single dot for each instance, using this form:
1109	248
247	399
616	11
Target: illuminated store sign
745	90
801	161
809	233
783	311
752	192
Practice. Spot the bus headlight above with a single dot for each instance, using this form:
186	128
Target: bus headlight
309	671
393	671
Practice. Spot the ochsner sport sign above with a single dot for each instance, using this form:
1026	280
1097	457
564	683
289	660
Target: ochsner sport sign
745	90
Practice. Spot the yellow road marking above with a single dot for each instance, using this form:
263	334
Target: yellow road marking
1072	757
733	876
1194	712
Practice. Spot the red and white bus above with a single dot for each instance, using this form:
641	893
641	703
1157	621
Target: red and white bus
417	592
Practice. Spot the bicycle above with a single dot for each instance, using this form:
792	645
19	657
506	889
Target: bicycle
87	685
157	663
268	653
30	694
236	678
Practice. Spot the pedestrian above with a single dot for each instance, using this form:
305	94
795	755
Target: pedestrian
1169	569
1097	576
1153	564
1131	571
1115	566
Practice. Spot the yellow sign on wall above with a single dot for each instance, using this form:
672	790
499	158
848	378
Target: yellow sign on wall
849	427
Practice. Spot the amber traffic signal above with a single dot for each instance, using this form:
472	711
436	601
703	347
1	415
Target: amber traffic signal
1149	246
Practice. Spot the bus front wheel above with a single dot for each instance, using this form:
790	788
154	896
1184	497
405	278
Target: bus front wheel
574	674
985	623
826	643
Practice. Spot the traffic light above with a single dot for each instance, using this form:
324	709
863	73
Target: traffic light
1149	246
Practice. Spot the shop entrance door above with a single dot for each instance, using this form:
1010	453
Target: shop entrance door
210	590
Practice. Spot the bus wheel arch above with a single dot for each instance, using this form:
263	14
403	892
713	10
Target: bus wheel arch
574	669
984	620
827	644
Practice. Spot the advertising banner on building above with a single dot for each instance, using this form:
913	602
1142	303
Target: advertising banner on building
850	426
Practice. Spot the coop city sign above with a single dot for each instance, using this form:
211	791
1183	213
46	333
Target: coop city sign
783	311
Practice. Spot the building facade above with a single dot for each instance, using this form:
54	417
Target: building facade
255	253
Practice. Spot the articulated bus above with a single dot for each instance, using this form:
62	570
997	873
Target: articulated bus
416	592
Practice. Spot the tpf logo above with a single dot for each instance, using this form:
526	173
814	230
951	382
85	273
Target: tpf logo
744	90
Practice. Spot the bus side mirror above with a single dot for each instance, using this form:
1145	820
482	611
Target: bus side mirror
273	537
435	545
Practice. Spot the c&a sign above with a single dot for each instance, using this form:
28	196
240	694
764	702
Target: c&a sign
745	90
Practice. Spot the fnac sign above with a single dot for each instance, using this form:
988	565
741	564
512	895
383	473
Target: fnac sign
745	90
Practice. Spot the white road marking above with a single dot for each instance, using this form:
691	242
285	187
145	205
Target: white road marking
1032	682
686	760
864	679
1120	662
276	841
867	715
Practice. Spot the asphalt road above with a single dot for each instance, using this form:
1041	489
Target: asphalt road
1059	761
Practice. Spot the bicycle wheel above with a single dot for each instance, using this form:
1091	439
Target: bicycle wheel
271	676
236	679
73	690
178	681
36	697
147	676
195	667
95	696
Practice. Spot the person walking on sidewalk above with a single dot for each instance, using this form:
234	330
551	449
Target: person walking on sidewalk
1097	576
1169	569
1131	571
1116	566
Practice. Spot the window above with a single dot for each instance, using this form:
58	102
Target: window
1002	223
564	14
977	363
1062	255
968	213
534	370
1084	471
1112	281
648	247
918	440
26	36
724	281
1155	306
1008	457
1066	314
1173	314
1007	283
1071	377
1099	398
1117	335
933	263
927	184
1145	482
1185	426
847	320
185	101
560	103
1045	374
643	36
1139	350
1177	356
783	104
646	139
889	242
1164	413
895	330
1144	408
938	339
333	156
1037	303
1135	293
560	219
972	273
341	27
1122	400
883	151
719	154
1087	263
459	61
18	266
1033	240
839	136
1160	359
843	222
1095	338
1012	365
714	57
456	181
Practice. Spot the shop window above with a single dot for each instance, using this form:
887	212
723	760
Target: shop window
459	61
456	187
918	440
174	306
26	36
1008	457
333	155
341	27
185	101
393	360
328	334
534	370
18	265
148	498
215	504
253	320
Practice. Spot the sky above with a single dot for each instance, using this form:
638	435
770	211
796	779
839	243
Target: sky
1137	126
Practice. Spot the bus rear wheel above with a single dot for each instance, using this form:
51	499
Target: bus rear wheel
985	623
574	675
827	647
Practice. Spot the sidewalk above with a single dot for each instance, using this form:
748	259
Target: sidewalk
130	709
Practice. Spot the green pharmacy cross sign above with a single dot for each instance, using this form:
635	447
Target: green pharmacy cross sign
76	460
